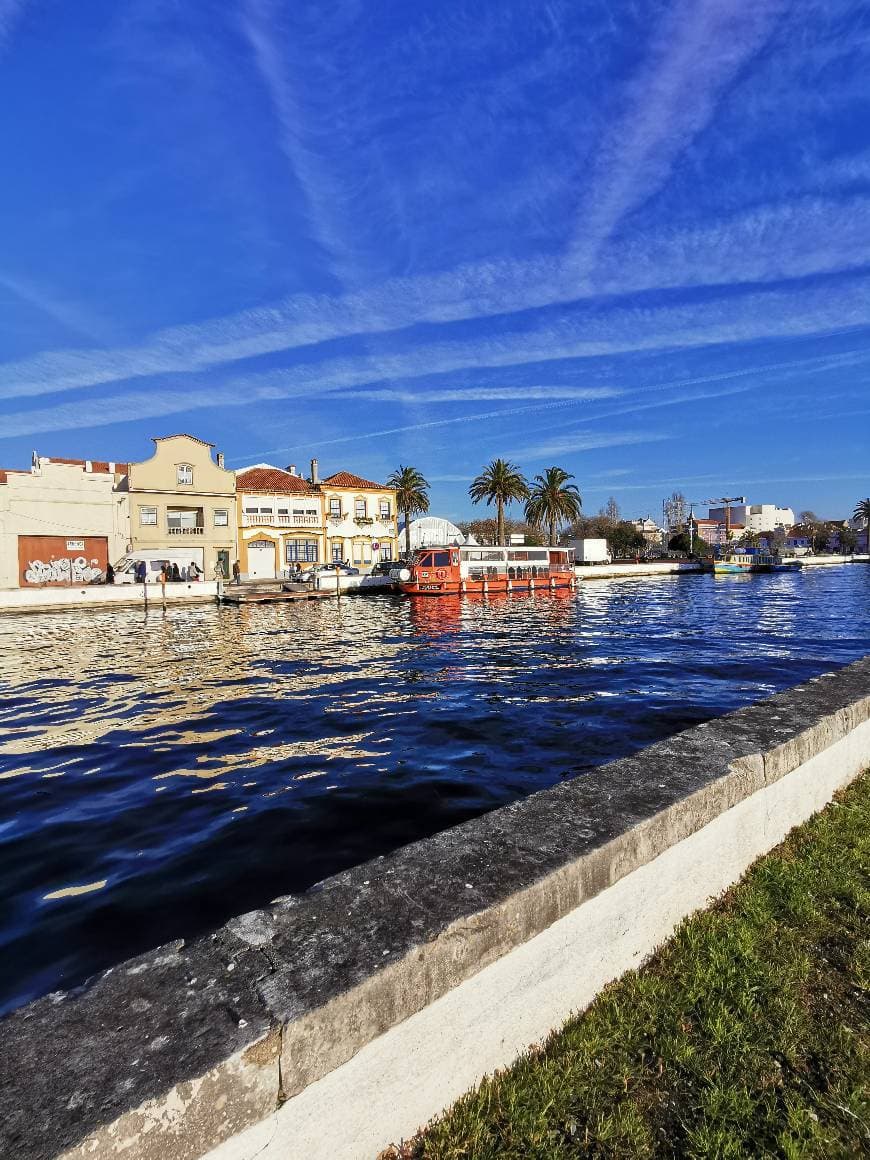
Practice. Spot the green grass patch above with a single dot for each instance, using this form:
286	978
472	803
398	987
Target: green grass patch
745	1035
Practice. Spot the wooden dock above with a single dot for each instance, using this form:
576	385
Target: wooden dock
271	595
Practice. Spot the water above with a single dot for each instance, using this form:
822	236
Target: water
158	775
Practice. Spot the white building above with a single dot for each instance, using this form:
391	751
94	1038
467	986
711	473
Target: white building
431	531
650	530
62	521
755	517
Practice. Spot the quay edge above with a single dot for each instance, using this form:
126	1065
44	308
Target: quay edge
333	1022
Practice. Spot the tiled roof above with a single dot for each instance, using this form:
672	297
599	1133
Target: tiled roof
348	479
100	466
273	480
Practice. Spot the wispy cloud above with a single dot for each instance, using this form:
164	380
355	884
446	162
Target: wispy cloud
717	320
10	13
586	441
68	314
768	243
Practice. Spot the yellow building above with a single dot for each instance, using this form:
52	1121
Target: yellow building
360	518
280	522
184	502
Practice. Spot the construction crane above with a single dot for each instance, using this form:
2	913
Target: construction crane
726	500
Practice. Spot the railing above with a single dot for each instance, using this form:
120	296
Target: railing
336	517
250	521
363	521
198	531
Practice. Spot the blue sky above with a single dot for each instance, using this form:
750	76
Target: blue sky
629	239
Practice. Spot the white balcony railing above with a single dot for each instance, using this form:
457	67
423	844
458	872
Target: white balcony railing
186	531
257	521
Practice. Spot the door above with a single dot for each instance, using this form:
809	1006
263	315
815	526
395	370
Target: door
261	560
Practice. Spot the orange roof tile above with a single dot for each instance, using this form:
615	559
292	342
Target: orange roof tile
348	479
273	480
97	465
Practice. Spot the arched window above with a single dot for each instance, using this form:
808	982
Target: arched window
184	475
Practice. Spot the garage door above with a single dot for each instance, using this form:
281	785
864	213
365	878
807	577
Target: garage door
261	560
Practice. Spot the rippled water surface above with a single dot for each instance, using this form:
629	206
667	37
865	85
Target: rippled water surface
160	774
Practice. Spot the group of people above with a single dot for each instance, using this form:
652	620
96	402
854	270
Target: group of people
169	572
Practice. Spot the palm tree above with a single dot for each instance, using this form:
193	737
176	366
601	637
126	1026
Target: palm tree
499	483
553	501
862	512
411	496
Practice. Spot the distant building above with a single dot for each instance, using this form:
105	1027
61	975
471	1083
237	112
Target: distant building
431	531
712	532
755	517
181	498
62	521
650	530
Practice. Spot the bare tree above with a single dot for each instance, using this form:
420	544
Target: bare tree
610	511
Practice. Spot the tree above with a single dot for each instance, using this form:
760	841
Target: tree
862	512
808	517
412	496
623	539
553	501
848	538
610	511
501	483
691	546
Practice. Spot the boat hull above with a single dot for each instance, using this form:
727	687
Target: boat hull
451	587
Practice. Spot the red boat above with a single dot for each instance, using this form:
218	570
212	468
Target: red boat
453	571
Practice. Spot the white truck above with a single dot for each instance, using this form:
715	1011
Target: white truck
591	552
189	561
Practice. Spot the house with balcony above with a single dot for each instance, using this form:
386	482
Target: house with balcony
183	501
280	522
360	518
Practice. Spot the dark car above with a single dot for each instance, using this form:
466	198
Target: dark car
384	568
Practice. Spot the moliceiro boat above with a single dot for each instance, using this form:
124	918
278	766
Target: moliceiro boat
453	571
752	560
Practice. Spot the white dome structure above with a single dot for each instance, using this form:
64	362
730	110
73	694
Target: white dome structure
431	531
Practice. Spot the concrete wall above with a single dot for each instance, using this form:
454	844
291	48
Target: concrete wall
102	596
336	1021
646	568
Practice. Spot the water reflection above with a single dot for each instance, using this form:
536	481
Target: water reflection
158	774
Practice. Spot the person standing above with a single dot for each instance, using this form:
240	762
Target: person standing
237	572
194	570
110	574
141	572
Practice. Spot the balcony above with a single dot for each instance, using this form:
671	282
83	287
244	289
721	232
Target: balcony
186	531
336	517
363	521
256	521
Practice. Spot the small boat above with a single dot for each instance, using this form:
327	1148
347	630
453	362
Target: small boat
739	560
454	571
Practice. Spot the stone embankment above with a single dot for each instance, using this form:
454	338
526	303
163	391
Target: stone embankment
51	599
334	1022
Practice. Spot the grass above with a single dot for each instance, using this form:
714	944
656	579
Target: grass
746	1035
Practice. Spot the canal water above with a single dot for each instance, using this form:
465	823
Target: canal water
160	774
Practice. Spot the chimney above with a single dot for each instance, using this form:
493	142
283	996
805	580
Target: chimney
314	478
291	468
220	458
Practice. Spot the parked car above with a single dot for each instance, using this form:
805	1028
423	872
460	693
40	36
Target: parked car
384	568
329	570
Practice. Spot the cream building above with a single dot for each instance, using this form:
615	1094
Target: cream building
360	518
182	500
280	522
62	521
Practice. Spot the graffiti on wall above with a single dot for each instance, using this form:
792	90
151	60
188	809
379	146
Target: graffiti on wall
63	571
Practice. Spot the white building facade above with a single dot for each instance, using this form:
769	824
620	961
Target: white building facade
62	522
755	517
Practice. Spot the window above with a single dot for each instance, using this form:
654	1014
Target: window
148	516
183	518
362	552
335	506
184	474
301	551
221	518
440	559
337	553
385	509
386	551
284	511
359	508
